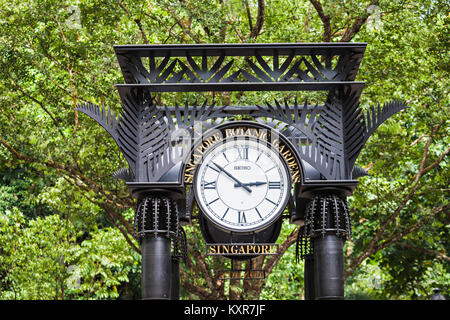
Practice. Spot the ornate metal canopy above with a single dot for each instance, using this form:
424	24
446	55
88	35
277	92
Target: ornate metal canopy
216	70
328	137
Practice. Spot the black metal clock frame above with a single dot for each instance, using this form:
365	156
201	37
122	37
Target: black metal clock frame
326	139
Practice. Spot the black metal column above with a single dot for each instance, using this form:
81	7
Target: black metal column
327	226
328	267
309	278
157	226
304	250
156	268
175	281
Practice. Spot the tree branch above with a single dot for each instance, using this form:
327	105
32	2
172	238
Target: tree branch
436	253
185	28
197	290
273	260
357	24
259	19
249	16
70	72
326	20
437	162
123	7
141	29
161	23
137	21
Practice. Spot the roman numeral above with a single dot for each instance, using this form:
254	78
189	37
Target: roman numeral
209	185
226	211
242	153
259	214
225	156
271	201
213	201
241	218
258	157
270	169
274	184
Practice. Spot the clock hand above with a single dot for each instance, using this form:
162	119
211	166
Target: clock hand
250	184
232	177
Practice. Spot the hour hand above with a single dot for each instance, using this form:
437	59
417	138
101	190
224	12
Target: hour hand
251	184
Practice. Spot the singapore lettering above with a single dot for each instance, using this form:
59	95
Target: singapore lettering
242	249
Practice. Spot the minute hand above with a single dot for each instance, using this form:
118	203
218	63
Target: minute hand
240	184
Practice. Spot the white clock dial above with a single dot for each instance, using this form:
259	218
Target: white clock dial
242	185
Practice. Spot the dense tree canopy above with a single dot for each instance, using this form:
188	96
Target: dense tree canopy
66	226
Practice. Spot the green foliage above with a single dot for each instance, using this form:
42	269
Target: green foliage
102	264
45	259
33	257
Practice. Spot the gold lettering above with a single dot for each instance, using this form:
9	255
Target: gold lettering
296	176
217	136
189	178
189	168
276	142
263	134
198	152
208	142
287	152
291	161
242	249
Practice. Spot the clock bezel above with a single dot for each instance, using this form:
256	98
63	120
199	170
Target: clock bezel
274	217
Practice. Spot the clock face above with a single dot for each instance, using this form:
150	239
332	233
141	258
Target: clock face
242	185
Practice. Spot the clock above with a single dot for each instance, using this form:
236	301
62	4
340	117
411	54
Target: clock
242	184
